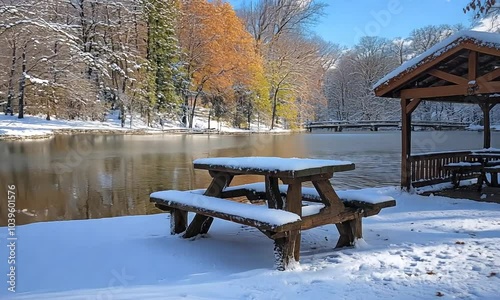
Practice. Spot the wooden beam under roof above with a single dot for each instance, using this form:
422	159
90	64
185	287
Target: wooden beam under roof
491	87
448	77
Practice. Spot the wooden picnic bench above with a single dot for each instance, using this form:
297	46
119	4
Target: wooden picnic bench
462	169
493	170
369	202
481	162
290	207
490	164
180	202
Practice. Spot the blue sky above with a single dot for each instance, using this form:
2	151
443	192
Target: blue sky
347	20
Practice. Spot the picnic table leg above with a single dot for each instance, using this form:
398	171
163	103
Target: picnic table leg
273	194
201	224
294	205
480	180
284	249
454	179
349	231
178	221
494	179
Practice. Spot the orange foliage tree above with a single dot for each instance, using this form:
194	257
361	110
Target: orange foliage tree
219	52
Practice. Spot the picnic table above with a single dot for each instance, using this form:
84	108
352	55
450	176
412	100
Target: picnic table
290	207
490	163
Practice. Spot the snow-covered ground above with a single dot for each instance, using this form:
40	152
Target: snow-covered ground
423	248
37	126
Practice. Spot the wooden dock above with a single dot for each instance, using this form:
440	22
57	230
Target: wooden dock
339	126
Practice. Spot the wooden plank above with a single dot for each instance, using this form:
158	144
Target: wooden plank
430	182
231	217
489	76
482	49
284	174
220	180
428	168
422	169
413	167
367	205
327	217
472	65
448	77
434	92
491	87
463	168
460	154
413	105
328	195
273	194
235	193
433	169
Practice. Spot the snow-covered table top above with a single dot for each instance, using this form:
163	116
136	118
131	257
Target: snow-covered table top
290	167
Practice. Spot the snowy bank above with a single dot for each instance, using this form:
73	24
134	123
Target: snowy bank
37	127
423	247
494	127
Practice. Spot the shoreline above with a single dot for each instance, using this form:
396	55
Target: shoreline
56	132
36	128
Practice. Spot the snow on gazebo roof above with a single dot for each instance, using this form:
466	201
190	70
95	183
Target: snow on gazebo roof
484	39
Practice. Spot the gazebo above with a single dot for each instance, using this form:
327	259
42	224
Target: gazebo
463	68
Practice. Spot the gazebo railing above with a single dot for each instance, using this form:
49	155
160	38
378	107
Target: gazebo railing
427	169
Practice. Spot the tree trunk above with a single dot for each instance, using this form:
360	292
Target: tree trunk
22	84
192	110
54	78
275	104
10	93
249	118
122	113
48	107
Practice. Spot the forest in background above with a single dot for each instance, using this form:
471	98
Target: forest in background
162	59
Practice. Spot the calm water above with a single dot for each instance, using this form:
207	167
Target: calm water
94	176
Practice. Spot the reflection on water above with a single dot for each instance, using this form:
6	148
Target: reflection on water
95	176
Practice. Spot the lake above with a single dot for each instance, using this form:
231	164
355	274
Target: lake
82	176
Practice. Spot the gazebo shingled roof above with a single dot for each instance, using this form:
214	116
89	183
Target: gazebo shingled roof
463	68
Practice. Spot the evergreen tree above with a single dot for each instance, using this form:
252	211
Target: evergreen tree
164	66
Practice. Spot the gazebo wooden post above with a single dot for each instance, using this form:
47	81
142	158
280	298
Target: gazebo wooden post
407	108
406	144
487	124
486	108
